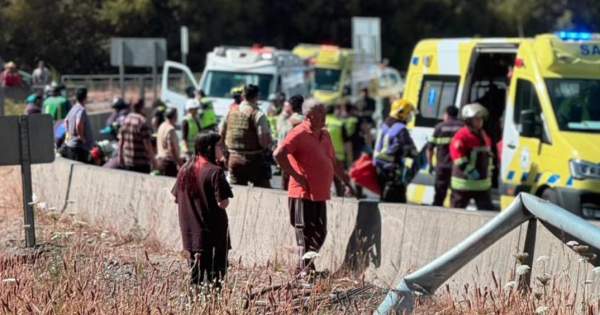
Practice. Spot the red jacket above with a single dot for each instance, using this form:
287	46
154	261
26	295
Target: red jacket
471	157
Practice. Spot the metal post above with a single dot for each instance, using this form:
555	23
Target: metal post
154	72
26	182
529	248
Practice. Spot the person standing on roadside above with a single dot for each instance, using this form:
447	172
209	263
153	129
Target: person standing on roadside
440	143
135	146
365	109
202	195
471	152
290	117
191	126
167	145
10	77
41	75
307	154
394	145
79	139
247	135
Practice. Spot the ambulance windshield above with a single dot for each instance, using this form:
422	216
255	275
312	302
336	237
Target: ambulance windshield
220	83
327	79
576	103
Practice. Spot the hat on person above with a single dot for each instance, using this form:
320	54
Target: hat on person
402	109
9	65
191	104
31	99
474	110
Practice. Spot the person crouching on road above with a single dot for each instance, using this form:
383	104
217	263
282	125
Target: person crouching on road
440	144
393	146
307	154
247	135
167	145
202	195
471	152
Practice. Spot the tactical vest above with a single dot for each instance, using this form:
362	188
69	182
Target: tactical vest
242	135
335	127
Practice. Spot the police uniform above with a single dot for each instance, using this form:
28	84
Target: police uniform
471	154
337	131
442	135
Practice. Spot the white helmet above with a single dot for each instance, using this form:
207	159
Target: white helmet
474	110
191	104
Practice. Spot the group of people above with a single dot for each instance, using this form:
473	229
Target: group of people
311	143
11	78
459	154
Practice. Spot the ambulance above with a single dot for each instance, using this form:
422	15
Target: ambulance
543	96
272	70
338	72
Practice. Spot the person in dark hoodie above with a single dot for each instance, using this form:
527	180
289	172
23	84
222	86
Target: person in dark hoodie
202	195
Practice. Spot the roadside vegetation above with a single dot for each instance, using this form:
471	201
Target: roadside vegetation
84	269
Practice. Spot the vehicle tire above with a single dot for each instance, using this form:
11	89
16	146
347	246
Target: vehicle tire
551	195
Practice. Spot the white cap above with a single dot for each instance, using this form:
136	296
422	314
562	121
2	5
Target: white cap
191	104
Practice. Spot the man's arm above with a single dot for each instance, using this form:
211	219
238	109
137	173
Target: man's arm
264	132
281	156
80	126
146	133
174	147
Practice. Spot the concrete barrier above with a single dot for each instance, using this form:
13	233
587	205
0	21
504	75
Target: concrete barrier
383	241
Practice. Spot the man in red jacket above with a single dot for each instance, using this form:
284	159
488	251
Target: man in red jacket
471	152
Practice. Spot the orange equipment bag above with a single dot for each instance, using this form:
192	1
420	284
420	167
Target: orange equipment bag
363	173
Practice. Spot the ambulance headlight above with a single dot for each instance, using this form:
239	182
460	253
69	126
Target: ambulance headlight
584	169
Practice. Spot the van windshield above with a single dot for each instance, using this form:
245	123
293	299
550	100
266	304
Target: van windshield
576	103
220	83
327	79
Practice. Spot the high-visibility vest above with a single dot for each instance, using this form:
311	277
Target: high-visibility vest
209	117
351	124
272	120
193	131
472	161
335	127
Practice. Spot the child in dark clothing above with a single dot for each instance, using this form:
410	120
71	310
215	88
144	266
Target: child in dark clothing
202	194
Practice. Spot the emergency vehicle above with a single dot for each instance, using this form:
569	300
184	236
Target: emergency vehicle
338	72
542	94
271	69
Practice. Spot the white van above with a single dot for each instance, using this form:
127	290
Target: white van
272	70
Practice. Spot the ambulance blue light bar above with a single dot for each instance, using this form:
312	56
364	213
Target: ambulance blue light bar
574	35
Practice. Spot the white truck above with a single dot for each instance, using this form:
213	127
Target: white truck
271	69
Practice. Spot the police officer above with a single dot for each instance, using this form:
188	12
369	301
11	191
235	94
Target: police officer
208	117
440	143
392	147
339	138
247	136
190	127
471	153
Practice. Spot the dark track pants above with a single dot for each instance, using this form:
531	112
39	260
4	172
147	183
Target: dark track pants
309	219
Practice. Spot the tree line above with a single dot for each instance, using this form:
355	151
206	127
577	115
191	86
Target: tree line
73	36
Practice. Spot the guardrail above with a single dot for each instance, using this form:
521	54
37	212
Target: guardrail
525	207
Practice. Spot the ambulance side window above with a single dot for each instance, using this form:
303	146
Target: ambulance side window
437	93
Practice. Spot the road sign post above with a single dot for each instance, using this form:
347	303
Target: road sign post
33	138
185	44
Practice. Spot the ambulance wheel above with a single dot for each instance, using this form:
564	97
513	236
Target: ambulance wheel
550	195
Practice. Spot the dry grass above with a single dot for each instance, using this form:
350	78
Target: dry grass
80	269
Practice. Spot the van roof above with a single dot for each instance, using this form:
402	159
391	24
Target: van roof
251	57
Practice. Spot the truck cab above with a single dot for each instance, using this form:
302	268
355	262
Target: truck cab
272	70
541	94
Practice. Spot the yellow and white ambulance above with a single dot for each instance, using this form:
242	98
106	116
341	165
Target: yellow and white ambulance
338	72
543	95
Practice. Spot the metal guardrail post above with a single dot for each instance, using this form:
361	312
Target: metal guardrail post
1	101
529	249
525	207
